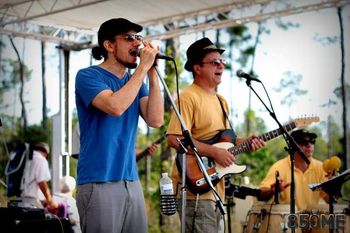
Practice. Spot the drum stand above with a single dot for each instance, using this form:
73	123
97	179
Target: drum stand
331	209
184	144
333	188
229	194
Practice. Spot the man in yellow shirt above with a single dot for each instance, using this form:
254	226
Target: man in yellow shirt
304	174
202	110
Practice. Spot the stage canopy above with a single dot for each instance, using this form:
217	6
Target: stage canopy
75	22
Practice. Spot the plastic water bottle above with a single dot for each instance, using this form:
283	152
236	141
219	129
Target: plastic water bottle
166	185
167	197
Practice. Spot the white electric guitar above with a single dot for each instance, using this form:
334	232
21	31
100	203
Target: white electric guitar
194	177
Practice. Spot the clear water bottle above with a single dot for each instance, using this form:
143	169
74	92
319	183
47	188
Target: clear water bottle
167	197
166	185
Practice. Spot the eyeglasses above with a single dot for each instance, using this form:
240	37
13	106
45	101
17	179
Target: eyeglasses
306	142
131	37
216	62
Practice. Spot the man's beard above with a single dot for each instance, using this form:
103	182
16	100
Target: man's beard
129	65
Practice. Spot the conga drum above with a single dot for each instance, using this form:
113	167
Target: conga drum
267	218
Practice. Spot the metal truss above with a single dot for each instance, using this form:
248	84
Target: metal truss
22	11
218	17
16	20
232	15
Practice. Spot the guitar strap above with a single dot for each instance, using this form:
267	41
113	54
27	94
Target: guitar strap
226	118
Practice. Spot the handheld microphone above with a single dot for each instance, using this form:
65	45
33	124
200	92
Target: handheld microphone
158	56
242	74
277	188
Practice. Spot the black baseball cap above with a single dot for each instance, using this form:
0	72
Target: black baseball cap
110	28
198	50
300	134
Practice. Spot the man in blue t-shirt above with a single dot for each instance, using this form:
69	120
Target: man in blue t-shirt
109	102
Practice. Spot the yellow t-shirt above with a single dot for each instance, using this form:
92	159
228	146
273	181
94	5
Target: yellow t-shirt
304	196
203	116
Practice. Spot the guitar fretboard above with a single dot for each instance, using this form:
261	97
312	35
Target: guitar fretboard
145	151
245	146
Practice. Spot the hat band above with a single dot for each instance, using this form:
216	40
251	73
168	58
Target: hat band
210	47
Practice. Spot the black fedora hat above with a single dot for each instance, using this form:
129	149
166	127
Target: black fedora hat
198	50
115	26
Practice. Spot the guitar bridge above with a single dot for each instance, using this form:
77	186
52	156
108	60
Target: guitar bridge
202	181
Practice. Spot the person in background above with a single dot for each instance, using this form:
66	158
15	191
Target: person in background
36	175
150	150
67	187
304	174
109	102
205	113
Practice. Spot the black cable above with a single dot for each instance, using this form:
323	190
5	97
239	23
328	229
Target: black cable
268	218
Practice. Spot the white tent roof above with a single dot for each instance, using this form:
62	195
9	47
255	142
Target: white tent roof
70	21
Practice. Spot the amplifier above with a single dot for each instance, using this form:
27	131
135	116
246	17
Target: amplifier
23	220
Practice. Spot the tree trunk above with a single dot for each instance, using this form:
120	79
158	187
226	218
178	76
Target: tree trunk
21	92
43	84
346	156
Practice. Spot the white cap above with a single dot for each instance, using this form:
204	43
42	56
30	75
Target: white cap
67	184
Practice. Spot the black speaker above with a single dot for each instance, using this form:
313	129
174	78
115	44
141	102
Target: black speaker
22	220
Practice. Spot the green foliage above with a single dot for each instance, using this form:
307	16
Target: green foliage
285	25
256	124
12	68
11	77
258	163
338	91
290	84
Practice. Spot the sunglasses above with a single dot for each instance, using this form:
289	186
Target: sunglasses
216	62
131	37
306	142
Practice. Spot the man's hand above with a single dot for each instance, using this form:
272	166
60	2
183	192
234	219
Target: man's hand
283	186
147	55
224	157
152	148
256	143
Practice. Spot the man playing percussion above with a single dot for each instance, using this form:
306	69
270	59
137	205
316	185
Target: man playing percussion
305	174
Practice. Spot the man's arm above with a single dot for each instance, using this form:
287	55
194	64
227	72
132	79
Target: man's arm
116	103
46	191
220	155
267	193
152	107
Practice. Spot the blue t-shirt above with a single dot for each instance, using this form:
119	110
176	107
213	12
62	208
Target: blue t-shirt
107	143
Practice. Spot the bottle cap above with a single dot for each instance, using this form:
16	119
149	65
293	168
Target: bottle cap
164	174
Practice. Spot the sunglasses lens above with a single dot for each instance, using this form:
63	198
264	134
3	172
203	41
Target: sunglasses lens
130	38
306	142
218	62
138	37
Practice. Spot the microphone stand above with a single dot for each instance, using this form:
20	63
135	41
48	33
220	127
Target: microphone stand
187	141
291	148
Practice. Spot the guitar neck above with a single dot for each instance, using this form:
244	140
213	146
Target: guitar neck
245	146
142	154
145	151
